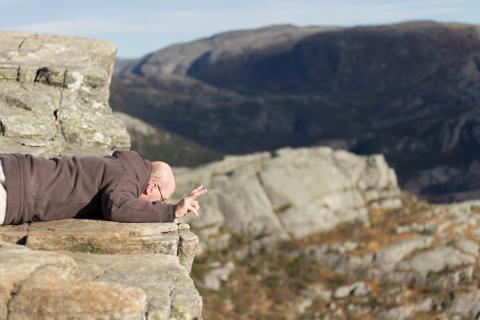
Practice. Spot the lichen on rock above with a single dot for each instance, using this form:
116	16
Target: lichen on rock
54	93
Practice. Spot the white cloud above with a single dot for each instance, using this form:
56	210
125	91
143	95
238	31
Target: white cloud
171	21
195	21
79	26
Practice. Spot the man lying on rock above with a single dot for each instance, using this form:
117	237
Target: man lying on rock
122	187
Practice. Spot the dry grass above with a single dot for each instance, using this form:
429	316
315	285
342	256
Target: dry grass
271	285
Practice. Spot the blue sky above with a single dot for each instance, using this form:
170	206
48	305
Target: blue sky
141	26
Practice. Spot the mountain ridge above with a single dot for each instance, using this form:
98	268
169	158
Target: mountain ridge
409	91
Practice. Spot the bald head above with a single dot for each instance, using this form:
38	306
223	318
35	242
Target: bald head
163	174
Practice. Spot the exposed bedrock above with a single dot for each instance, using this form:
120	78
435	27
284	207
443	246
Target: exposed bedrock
97	269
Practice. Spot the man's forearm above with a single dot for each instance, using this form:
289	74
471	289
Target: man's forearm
158	213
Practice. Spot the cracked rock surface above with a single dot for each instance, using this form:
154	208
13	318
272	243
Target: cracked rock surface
79	269
291	193
54	94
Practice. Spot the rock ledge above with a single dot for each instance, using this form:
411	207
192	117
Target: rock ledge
101	269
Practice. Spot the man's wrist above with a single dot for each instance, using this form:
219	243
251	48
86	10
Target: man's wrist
174	208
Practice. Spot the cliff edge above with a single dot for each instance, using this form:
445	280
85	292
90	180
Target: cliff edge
54	94
79	269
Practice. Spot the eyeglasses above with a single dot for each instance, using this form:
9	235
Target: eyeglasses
161	195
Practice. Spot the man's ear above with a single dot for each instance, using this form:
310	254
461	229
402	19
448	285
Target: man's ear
150	187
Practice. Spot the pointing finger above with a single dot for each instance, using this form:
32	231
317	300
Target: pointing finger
198	193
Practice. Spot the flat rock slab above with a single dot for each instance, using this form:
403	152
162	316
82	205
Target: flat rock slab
77	285
106	237
103	237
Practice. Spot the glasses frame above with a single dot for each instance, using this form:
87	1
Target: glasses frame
161	194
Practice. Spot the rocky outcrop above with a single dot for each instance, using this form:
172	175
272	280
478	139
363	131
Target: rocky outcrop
54	93
293	193
438	267
413	262
409	91
97	269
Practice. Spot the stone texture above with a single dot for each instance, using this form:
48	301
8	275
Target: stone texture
468	247
17	263
295	192
416	261
170	291
14	234
52	293
388	257
106	237
467	305
214	278
356	289
54	100
54	93
135	270
315	217
187	244
98	236
406	312
245	204
314	175
438	259
318	290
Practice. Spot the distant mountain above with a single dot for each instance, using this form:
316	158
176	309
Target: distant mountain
410	91
121	64
158	144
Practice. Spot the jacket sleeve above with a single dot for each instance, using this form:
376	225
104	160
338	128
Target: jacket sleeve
121	204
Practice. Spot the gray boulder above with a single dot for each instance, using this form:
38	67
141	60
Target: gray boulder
438	259
54	93
245	205
293	192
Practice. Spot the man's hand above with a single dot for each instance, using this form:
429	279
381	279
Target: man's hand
190	203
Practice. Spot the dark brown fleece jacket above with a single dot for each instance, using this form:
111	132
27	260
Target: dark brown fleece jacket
40	189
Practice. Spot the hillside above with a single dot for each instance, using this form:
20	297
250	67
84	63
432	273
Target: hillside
159	144
409	91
